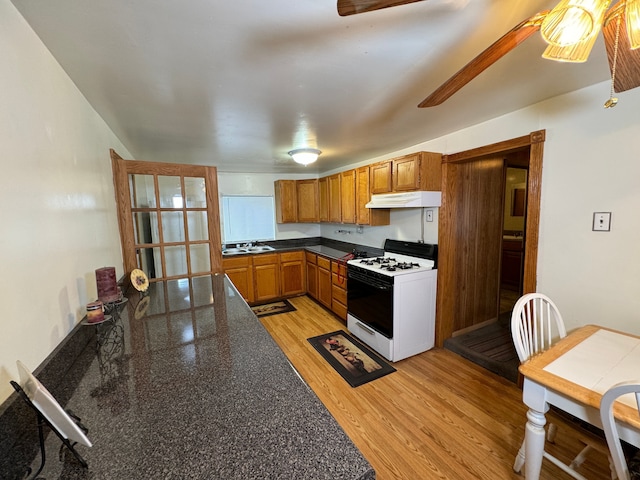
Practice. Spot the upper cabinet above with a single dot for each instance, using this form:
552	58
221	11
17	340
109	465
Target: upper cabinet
341	198
364	215
381	177
286	201
323	199
416	171
335	199
348	196
307	193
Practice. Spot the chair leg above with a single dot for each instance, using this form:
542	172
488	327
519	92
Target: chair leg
552	431
581	457
520	458
612	467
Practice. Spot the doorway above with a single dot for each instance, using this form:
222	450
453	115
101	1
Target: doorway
471	240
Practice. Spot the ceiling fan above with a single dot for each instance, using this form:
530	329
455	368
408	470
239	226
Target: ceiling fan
570	29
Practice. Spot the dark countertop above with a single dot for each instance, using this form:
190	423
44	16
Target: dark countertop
196	388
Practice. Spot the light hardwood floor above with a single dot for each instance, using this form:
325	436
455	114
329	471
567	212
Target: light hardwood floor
438	417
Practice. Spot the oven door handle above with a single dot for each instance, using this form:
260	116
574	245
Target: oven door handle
365	328
371	281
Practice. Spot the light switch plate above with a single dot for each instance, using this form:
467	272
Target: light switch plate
601	221
429	215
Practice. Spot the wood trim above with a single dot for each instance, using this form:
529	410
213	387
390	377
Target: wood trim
449	211
503	147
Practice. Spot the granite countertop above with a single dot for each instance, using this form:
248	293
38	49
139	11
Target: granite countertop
192	387
335	250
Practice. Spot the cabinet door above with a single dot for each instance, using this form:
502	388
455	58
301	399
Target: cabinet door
307	198
324	281
348	196
266	275
335	214
286	202
364	215
292	279
406	176
312	280
323	199
240	272
381	177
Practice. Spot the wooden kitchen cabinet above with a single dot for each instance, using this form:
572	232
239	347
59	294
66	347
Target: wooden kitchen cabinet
335	208
266	274
292	273
348	196
240	272
307	200
312	274
339	289
417	171
381	173
323	199
364	215
286	201
324	281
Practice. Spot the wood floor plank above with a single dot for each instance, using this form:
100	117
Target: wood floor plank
438	416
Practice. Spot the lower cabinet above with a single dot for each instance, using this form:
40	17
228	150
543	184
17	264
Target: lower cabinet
266	275
292	278
240	272
339	289
312	274
324	281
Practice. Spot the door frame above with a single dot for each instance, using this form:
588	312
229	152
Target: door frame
123	168
447	241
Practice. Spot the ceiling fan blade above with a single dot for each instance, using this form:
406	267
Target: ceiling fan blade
350	7
491	55
627	61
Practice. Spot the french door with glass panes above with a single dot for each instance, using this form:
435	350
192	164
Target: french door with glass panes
169	218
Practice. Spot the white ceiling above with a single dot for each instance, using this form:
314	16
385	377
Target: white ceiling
238	83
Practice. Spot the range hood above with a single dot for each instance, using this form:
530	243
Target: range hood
405	200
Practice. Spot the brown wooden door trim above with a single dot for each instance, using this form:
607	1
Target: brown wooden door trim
450	209
121	171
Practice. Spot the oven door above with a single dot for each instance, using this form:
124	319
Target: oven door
370	299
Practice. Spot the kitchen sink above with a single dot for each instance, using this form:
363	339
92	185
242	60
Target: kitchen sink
239	250
260	248
234	251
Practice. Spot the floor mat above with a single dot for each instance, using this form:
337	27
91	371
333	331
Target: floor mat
273	308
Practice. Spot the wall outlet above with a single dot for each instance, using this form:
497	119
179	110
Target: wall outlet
429	215
601	221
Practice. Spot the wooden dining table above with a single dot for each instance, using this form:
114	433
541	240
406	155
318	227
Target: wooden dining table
573	375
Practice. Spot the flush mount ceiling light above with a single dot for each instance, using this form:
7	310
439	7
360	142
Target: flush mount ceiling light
305	156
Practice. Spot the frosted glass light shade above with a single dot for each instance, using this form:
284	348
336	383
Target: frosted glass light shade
572	21
576	53
305	156
632	19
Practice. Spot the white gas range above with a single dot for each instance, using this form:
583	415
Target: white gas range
391	299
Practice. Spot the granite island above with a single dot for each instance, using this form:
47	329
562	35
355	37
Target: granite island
186	383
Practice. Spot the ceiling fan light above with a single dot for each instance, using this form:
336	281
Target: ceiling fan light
572	21
305	156
576	53
632	20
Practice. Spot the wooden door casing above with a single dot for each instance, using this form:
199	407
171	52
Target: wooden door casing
449	237
123	168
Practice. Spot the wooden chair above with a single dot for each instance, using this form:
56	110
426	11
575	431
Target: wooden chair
536	324
625	471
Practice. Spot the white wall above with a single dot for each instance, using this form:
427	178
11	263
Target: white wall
58	205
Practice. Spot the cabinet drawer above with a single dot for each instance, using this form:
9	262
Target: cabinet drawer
339	294
235	262
265	259
339	280
292	256
339	309
339	268
311	257
324	263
